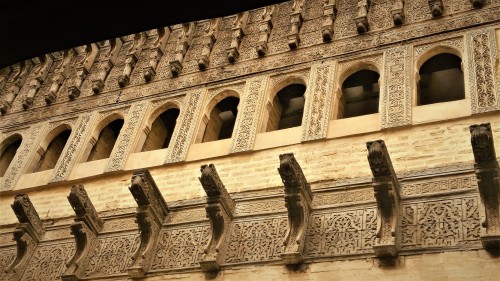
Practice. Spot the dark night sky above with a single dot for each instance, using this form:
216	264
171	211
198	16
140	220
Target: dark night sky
32	28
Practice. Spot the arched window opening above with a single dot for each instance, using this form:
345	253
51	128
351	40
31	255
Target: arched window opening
287	108
161	130
106	141
7	155
222	119
54	149
360	94
441	80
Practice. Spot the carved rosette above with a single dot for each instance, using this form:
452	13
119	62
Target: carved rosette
487	173
61	73
45	62
85	230
387	194
361	18
398	12
265	27
152	210
436	7
107	64
298	201
329	15
238	31
82	69
157	51
220	209
296	20
181	49
27	234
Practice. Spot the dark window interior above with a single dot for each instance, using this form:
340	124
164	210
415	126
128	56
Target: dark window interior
222	119
106	141
161	130
360	94
8	154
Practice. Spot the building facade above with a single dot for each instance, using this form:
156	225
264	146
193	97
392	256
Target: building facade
308	140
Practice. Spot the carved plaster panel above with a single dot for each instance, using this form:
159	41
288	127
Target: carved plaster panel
119	224
7	255
454	183
187	215
343	197
253	207
49	261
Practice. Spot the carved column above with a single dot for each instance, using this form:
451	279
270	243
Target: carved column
208	43
487	173
45	62
265	27
182	46
20	74
157	51
220	209
132	58
329	15
27	234
386	186
238	31
296	21
61	73
85	230
152	210
298	201
107	64
398	12
436	7
361	18
82	70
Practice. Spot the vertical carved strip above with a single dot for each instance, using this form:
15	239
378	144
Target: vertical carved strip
132	58
82	69
157	52
128	137
208	42
318	103
182	46
396	98
265	27
238	31
329	16
107	64
296	20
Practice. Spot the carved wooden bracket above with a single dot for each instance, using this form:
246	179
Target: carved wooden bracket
477	3
398	12
157	52
132	58
45	62
107	64
220	209
152	210
487	173
27	234
182	46
208	43
387	193
265	27
298	201
61	73
329	15
361	18
20	74
238	31
296	21
436	7
85	230
82	69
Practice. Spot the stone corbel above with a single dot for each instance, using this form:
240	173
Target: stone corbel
296	20
329	15
85	230
132	58
477	3
387	193
208	43
298	201
265	27
61	73
152	210
157	52
107	64
45	62
29	231
220	209
361	18
487	173
182	47
20	74
238	31
83	69
398	12
436	7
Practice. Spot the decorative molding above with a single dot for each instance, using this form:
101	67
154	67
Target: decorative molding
44	65
208	42
296	19
185	38
329	16
90	52
157	51
60	74
237	32
132	57
265	28
106	64
361	19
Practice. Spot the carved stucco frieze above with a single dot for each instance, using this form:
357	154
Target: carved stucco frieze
132	57
41	72
238	30
156	52
60	74
183	43
329	16
361	19
296	19
208	41
107	63
21	71
83	66
265	28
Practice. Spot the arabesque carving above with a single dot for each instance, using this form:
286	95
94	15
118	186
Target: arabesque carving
20	74
220	209
436	7
82	69
45	62
265	28
60	75
398	12
296	20
488	176
208	42
107	63
157	52
361	18
298	201
237	32
183	44
132	57
387	194
329	16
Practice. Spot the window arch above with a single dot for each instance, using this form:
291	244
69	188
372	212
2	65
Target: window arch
106	141
161	131
441	79
51	154
221	120
8	151
360	94
287	108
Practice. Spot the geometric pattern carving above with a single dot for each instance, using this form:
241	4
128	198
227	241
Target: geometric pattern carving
6	257
438	185
48	261
343	197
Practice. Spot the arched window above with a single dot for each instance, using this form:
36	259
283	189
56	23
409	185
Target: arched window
106	141
287	108
161	130
441	80
54	149
8	152
222	119
360	94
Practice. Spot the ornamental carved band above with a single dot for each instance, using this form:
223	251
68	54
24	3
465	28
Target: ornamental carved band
152	210
487	173
220	209
27	234
387	194
298	201
85	230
